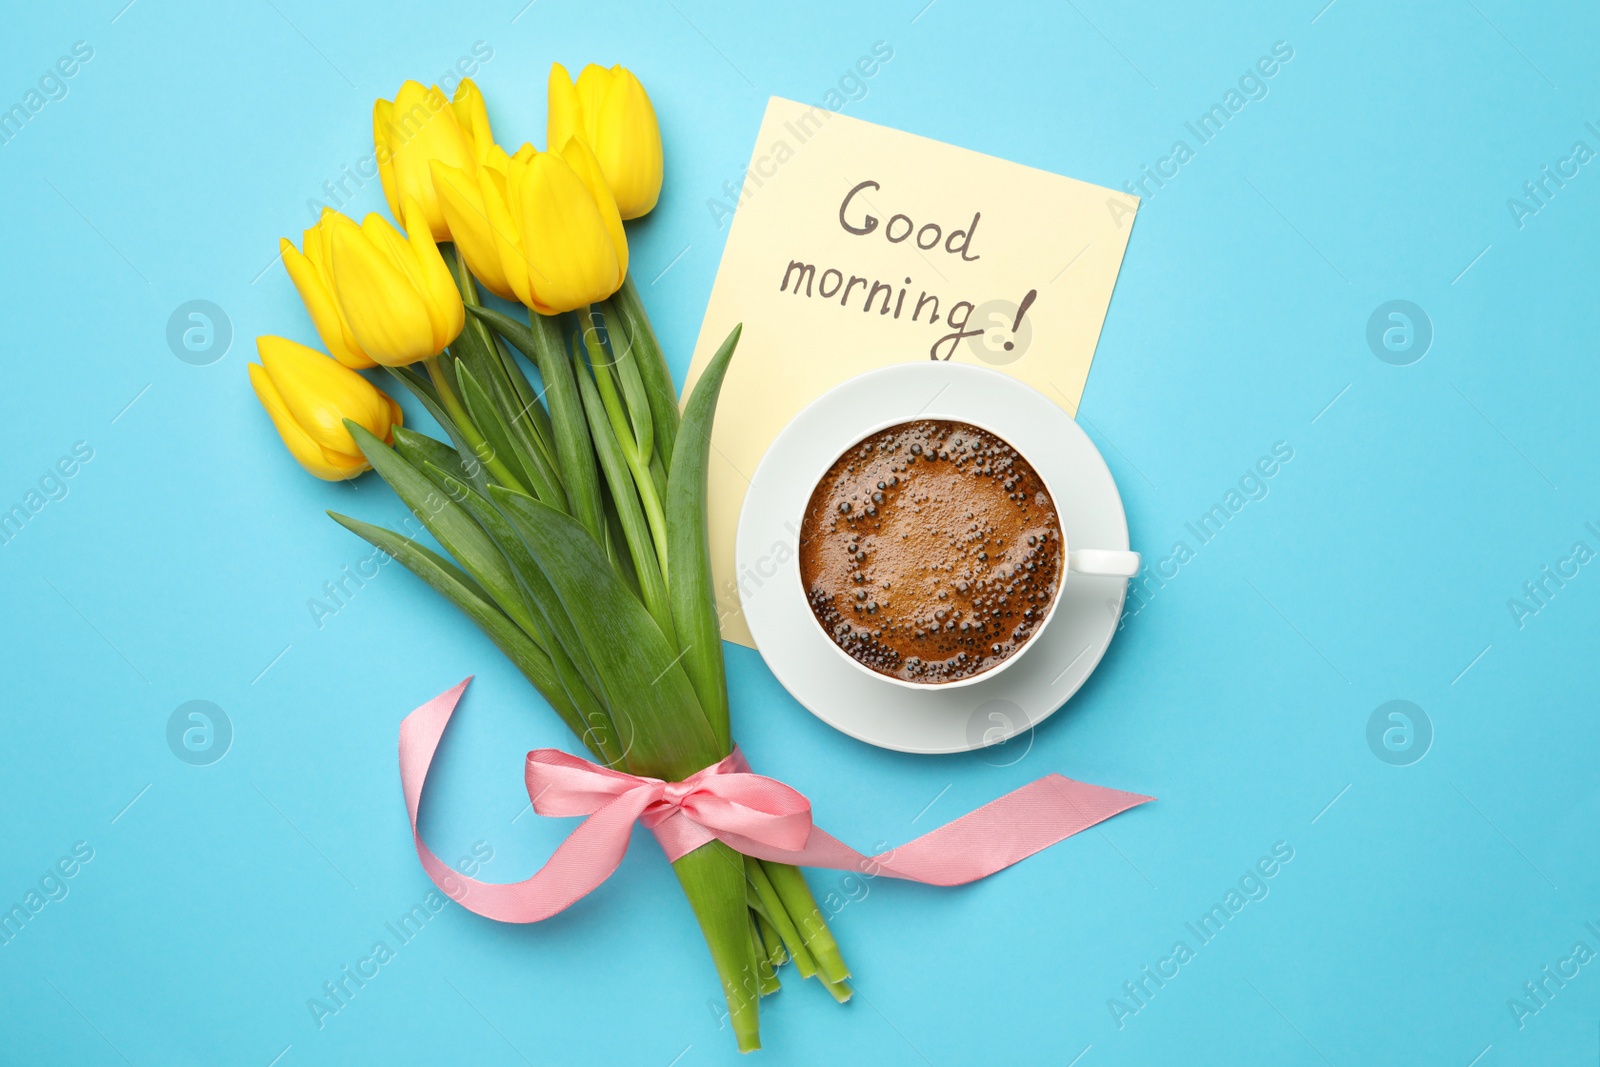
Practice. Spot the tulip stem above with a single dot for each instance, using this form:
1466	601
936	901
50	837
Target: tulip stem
797	902
599	361
458	412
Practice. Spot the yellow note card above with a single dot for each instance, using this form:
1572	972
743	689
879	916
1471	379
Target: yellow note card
855	246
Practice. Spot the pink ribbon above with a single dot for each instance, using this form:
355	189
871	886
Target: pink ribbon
753	814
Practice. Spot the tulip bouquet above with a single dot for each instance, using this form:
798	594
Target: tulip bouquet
571	504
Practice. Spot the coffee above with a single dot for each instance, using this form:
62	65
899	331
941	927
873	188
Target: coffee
931	551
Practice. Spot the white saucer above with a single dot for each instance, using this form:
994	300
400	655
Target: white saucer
1056	661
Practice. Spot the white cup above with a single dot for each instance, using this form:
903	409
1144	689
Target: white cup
1098	562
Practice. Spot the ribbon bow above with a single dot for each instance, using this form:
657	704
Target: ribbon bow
752	814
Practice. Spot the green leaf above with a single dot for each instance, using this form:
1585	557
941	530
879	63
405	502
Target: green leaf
658	475
621	562
424	391
625	362
635	530
418	448
489	418
418	383
456	530
557	635
601	362
474	338
541	342
504	406
694	601
526	403
659	390
555	626
622	433
501	463
529	425
640	677
467	595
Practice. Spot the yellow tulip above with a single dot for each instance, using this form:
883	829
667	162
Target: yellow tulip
418	127
312	275
473	118
610	110
374	295
309	396
539	227
466	200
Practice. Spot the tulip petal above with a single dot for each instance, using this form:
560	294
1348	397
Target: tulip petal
423	127
382	235
494	183
319	251
320	394
445	309
472	116
397	417
564	114
383	149
314	292
593	84
382	305
628	145
470	226
571	255
331	467
584	164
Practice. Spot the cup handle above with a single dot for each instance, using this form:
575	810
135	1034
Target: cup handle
1102	561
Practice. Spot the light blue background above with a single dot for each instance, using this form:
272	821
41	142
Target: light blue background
1379	567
